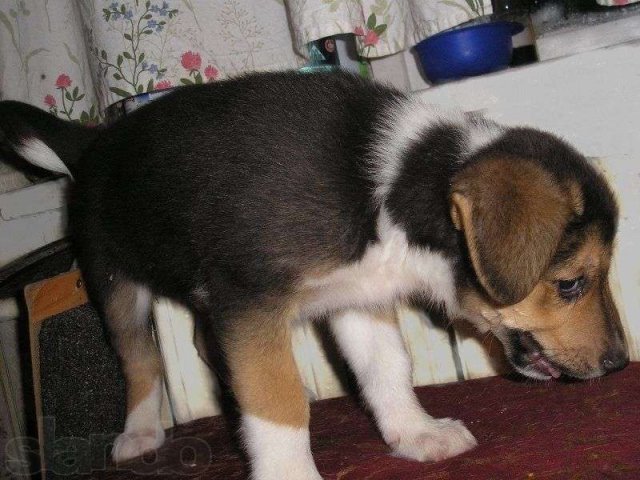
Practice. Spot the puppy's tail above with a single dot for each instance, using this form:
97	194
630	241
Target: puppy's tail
41	138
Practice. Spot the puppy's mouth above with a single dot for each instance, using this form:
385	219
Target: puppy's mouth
527	356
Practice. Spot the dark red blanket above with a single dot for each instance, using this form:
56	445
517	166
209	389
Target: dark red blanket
526	430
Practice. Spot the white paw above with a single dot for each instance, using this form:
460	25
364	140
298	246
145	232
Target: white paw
133	444
437	440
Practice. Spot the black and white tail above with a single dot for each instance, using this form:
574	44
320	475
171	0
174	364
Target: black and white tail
41	138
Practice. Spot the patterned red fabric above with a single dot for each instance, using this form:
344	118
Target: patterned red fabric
526	430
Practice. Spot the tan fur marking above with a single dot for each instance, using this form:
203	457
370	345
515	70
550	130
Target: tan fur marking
384	315
577	200
265	378
513	215
141	377
462	213
133	341
457	202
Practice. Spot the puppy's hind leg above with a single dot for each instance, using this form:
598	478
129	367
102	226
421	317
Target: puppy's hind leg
373	347
126	308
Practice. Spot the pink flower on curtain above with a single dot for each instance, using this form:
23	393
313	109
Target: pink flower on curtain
191	61
163	84
63	81
50	101
211	73
369	34
371	39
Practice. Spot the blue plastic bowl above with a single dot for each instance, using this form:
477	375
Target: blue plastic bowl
467	51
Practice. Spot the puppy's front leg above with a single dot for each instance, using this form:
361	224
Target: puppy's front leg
373	347
269	391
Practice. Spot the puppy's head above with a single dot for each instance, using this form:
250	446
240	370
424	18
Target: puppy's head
538	225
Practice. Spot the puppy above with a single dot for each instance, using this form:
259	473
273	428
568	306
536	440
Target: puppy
279	197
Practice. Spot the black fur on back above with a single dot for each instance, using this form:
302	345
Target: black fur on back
229	192
234	188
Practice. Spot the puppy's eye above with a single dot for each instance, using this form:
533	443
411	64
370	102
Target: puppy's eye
571	289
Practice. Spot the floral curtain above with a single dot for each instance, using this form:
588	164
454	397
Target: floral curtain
76	57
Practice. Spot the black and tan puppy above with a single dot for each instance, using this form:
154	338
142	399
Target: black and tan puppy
272	198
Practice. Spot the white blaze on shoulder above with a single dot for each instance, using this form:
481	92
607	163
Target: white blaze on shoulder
38	153
405	123
401	126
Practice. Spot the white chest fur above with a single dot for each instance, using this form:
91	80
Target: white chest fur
389	271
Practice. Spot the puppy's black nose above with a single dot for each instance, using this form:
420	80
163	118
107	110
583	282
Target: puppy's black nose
614	360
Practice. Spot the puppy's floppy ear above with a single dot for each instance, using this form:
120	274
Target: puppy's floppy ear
513	214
